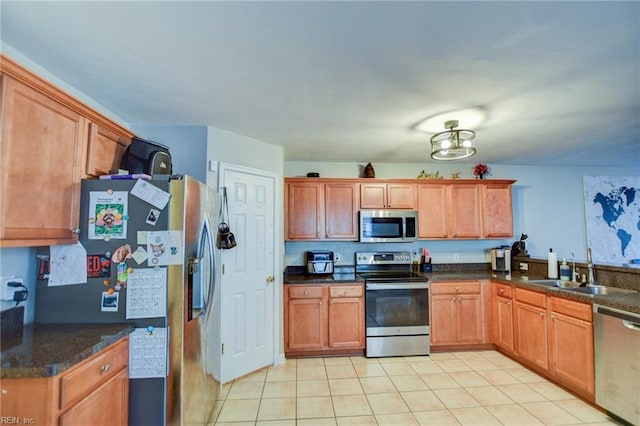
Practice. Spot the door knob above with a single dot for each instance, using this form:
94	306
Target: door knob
271	279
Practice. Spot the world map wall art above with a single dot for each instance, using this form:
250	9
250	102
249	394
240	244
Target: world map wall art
612	213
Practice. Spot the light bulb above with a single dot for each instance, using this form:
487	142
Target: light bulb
466	144
446	144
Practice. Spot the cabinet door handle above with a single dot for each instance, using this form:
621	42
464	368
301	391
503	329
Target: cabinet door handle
508	303
75	231
541	314
105	368
306	292
457	289
501	290
553	317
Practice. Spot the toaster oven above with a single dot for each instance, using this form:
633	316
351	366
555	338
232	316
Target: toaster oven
319	262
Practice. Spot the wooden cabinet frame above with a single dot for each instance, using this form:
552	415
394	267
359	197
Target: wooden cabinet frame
327	208
50	141
84	394
324	319
465	209
553	336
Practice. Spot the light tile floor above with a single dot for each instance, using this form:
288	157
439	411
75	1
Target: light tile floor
457	388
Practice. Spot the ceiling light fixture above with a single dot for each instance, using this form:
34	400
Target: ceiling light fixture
452	144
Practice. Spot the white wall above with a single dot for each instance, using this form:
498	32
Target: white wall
228	147
20	262
548	206
187	145
18	57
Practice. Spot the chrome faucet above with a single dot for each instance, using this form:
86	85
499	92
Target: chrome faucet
574	271
590	279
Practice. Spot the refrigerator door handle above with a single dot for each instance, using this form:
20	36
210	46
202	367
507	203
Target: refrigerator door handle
208	286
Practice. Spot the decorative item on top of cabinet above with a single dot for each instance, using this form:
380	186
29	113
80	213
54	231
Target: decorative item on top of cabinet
369	171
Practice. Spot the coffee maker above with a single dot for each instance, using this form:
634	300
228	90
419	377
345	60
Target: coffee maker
501	260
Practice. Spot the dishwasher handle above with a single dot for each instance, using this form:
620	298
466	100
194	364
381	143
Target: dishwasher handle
631	325
629	319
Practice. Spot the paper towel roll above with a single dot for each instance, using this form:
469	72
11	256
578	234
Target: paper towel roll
552	264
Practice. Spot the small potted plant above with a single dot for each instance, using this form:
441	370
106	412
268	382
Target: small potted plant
480	170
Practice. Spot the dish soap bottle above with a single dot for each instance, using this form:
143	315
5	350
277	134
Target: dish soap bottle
565	271
552	265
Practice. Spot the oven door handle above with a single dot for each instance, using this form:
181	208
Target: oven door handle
398	286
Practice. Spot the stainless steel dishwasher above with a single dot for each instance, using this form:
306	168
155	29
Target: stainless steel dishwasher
617	357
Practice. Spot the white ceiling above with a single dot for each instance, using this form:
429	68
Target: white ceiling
558	83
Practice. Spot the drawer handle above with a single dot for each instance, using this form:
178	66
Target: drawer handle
501	290
306	292
105	368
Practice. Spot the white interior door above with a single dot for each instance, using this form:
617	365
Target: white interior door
248	272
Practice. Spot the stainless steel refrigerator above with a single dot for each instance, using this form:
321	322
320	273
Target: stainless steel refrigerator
187	394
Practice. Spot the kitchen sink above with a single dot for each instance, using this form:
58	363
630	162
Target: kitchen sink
601	289
556	283
589	289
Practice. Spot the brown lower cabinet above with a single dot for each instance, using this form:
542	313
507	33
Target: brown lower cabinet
456	313
324	319
95	392
551	334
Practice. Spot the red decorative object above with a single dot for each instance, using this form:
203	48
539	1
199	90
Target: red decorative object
480	170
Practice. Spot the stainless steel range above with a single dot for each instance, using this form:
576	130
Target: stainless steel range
396	304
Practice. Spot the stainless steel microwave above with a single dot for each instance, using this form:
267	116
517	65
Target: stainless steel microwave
388	226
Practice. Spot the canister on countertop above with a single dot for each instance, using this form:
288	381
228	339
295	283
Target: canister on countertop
552	265
565	271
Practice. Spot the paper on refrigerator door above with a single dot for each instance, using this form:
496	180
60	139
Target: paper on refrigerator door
148	353
68	265
164	248
147	293
108	215
150	193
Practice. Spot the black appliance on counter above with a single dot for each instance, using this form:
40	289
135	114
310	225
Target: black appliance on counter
319	262
396	304
519	248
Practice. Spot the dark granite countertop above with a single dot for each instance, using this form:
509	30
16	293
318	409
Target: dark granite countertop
46	350
624	301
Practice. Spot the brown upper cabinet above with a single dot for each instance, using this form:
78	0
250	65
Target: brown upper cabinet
469	209
104	150
50	141
321	209
388	195
327	208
